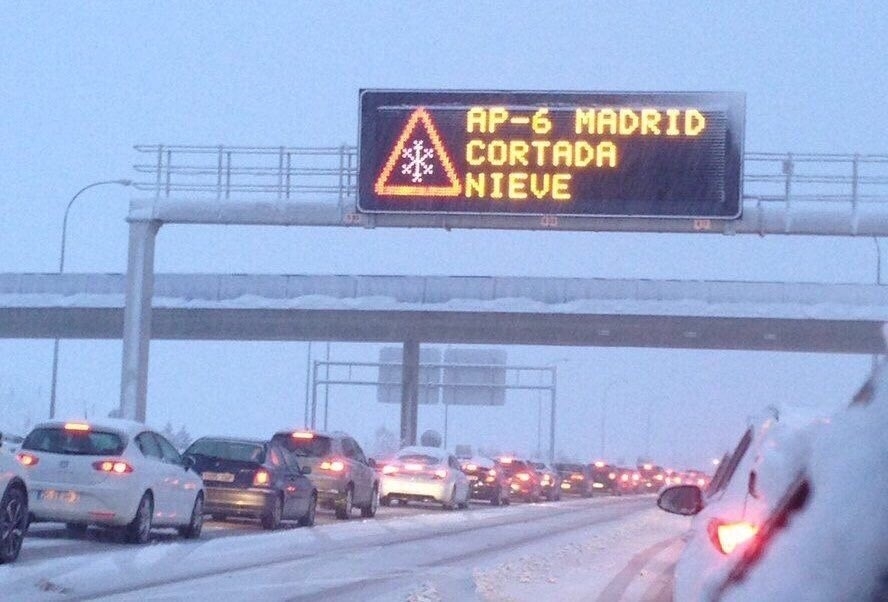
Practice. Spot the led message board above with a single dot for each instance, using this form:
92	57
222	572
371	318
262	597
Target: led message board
551	153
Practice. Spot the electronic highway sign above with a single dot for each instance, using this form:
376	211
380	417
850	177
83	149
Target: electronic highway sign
671	154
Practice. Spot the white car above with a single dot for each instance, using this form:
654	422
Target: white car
424	474
113	473
13	507
827	538
739	498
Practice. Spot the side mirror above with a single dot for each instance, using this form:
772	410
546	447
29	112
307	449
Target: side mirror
188	462
371	462
686	500
306	470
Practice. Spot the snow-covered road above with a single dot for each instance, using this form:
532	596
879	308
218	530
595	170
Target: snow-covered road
599	549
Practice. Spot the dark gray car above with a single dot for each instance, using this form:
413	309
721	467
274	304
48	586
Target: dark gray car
342	475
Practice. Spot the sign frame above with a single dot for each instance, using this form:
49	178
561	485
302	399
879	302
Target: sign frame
732	103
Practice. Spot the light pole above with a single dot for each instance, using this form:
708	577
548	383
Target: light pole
55	345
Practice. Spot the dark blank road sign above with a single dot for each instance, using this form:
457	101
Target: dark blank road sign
552	153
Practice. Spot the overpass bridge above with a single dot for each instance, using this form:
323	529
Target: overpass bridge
770	316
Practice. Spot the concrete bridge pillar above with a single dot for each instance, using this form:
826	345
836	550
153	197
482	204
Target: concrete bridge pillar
137	319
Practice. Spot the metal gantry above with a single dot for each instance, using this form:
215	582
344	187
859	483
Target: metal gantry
783	193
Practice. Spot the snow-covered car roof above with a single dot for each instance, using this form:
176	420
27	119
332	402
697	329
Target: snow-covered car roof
118	425
481	461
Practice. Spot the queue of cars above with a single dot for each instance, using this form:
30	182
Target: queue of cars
123	475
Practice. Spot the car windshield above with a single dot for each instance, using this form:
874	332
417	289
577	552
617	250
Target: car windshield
514	466
569	467
419	458
241	451
316	446
58	440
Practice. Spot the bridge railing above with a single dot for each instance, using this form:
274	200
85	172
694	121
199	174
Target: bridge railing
329	174
285	174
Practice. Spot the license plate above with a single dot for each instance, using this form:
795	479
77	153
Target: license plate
221	477
51	495
473	477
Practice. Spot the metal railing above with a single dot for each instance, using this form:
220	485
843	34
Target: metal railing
286	174
329	174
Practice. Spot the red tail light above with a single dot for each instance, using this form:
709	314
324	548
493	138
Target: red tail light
472	467
27	460
491	472
113	466
262	478
440	474
727	536
389	469
333	465
522	476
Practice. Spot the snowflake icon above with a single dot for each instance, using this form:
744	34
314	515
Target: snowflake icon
416	162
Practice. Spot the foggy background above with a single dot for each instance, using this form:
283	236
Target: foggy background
80	86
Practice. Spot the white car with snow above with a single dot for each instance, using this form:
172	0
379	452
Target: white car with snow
827	537
735	505
13	507
114	473
424	474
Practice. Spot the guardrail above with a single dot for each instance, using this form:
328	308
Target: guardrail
329	174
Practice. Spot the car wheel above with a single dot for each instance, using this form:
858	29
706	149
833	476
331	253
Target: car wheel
369	511
497	499
344	507
195	525
271	520
13	523
139	530
451	503
308	519
76	529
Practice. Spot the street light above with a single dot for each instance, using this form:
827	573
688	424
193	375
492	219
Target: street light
55	346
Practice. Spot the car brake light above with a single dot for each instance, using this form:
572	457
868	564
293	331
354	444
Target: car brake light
505	460
599	464
576	477
333	465
523	476
115	466
27	460
389	469
612	475
302	435
76	426
624	477
491	472
261	478
472	467
727	536
441	473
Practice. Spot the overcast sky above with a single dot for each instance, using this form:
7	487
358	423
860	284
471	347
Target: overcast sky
81	86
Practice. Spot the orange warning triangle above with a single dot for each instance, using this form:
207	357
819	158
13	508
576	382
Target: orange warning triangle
419	165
